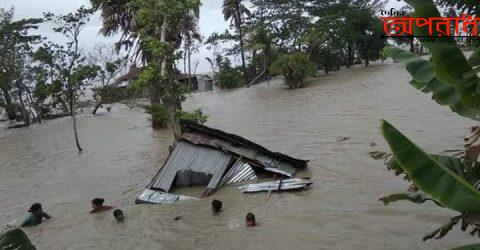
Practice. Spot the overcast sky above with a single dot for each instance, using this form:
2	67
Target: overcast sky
211	20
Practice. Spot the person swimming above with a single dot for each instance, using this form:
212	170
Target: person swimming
97	205
250	220
36	216
216	206
118	215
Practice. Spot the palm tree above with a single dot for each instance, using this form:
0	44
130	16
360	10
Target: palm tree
189	32
259	39
235	11
122	17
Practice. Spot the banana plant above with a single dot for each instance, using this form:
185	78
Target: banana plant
447	181
450	182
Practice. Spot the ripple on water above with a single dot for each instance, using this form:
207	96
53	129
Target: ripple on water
340	211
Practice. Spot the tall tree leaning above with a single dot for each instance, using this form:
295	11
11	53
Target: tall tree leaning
236	11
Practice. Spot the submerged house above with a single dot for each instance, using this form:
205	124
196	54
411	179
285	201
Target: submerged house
212	158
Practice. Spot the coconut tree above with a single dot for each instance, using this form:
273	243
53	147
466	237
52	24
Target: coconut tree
189	31
137	34
236	11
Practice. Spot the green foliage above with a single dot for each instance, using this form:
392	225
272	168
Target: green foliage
468	247
425	79
15	239
112	94
159	115
450	181
432	177
450	65
294	67
228	77
196	116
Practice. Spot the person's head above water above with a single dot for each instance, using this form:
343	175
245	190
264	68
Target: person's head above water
250	220
36	209
118	214
216	206
97	203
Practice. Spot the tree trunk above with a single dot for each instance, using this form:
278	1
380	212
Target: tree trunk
26	117
9	108
38	116
96	108
174	122
240	33
350	56
190	84
74	119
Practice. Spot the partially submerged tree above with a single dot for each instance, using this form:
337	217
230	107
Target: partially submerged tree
151	30
15	47
111	65
294	67
71	74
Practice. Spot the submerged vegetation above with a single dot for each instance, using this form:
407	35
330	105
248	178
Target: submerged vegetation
331	33
294	67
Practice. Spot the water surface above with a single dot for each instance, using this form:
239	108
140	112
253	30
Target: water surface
340	211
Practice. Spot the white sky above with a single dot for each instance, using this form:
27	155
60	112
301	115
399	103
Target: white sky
211	20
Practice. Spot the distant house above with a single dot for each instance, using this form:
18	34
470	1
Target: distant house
194	83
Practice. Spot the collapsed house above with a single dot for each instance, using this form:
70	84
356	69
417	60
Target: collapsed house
212	158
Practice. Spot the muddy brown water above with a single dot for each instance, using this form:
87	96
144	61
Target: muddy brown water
340	211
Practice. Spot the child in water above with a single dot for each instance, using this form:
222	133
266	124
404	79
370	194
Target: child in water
216	206
97	205
250	220
118	215
36	216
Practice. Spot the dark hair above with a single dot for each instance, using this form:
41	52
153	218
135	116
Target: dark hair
35	207
250	217
98	201
117	212
216	205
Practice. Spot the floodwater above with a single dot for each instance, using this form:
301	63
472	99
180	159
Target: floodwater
340	211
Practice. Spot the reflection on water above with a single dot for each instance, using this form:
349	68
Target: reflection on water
340	211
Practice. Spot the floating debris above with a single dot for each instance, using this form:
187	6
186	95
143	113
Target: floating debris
342	139
276	186
157	197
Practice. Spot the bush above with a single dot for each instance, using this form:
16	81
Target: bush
111	94
159	115
197	116
229	78
294	67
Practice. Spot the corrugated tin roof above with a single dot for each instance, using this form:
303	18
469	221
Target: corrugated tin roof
239	172
197	159
249	146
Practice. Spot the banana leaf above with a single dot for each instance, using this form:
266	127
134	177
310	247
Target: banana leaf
474	59
465	169
424	79
432	177
450	65
15	239
468	247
